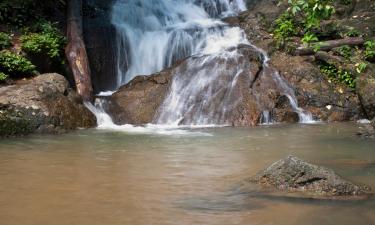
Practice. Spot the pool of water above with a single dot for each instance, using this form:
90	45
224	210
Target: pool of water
103	177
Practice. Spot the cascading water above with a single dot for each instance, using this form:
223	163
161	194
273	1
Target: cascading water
154	34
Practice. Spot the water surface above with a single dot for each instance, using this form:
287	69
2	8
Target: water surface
101	177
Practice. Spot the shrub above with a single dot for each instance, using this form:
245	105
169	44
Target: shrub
338	75
5	40
47	41
302	16
370	50
3	76
15	65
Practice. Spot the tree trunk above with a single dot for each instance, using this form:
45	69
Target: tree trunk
76	50
328	45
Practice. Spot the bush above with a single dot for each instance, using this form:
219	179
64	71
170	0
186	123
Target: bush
370	50
47	41
338	75
304	17
3	76
15	65
5	40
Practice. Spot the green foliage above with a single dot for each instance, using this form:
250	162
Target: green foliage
285	28
3	76
302	16
48	41
309	37
370	49
361	67
338	75
20	13
5	40
345	51
352	33
15	65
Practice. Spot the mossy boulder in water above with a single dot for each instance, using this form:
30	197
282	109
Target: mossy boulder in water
294	175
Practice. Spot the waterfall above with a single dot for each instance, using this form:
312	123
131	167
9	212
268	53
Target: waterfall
154	34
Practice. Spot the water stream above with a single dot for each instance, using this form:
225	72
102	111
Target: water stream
152	35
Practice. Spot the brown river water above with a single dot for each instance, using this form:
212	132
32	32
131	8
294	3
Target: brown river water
97	177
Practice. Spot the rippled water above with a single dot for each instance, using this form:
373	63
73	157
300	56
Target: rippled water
101	177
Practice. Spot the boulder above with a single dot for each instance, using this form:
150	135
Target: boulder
294	175
367	130
366	90
44	104
253	90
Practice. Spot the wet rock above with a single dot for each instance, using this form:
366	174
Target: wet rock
366	90
367	130
44	104
137	101
255	90
294	175
326	100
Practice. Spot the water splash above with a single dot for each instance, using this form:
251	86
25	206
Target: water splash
105	122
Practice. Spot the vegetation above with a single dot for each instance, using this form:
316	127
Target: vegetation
338	75
20	13
14	65
45	39
302	17
370	50
3	76
5	40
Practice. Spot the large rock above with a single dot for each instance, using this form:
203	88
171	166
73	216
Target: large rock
294	175
255	90
366	91
44	104
326	100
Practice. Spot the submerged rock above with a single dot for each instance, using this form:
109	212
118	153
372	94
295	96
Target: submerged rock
367	130
294	175
44	104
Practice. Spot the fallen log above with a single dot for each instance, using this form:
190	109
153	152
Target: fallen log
76	50
328	45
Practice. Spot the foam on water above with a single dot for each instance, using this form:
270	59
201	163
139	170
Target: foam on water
105	122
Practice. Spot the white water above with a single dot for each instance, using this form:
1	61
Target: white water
154	34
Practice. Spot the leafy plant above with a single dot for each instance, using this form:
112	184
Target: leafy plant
3	77
12	64
285	28
361	67
302	16
352	33
370	50
309	37
338	75
345	51
48	41
5	40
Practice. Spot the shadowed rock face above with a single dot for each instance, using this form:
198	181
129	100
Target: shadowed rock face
294	175
100	40
246	94
44	104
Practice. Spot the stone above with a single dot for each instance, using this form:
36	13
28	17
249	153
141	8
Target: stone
25	109
295	175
